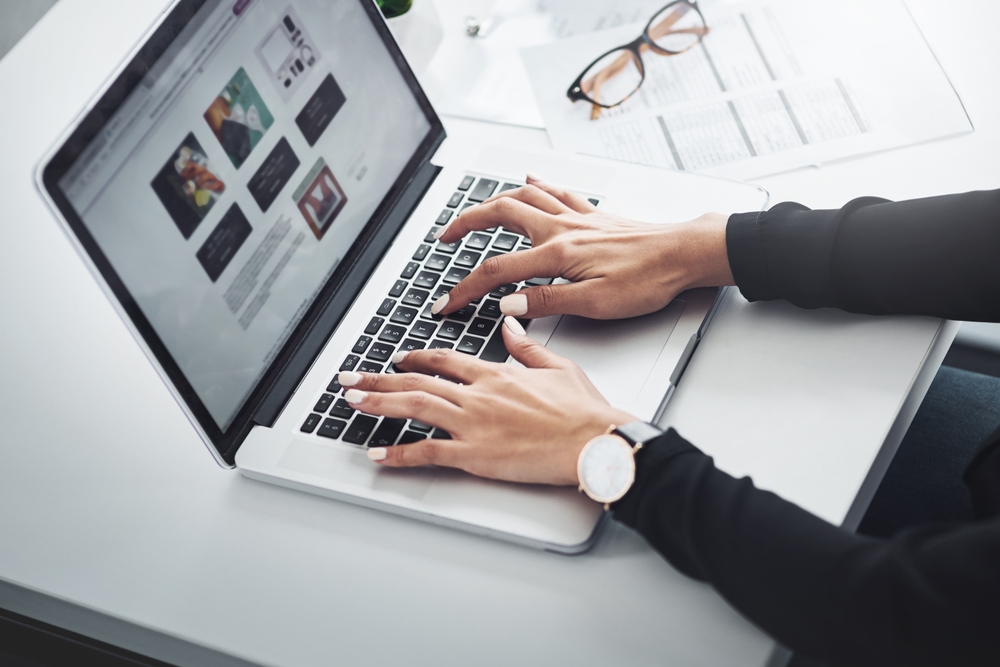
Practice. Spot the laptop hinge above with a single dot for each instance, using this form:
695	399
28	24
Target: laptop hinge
326	322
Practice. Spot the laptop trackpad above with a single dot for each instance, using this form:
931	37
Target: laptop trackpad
350	467
617	355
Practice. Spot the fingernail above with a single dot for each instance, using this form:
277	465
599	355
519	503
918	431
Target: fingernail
532	177
377	454
354	396
439	233
513	325
348	378
443	301
513	304
397	358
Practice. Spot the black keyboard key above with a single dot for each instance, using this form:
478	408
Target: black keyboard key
359	429
447	248
508	186
456	275
392	334
387	432
342	409
422	330
466	183
503	291
490	309
421	252
496	349
525	242
470	345
381	352
361	345
350	362
411	436
478	241
429	237
437	262
417	425
481	327
440	292
309	425
331	428
436	344
369	367
398	288
534	282
463	314
386	307
450	330
467	258
374	325
409	345
428	315
334	386
443	218
324	403
455	200
410	270
416	297
441	434
403	315
505	242
484	188
493	253
593	201
426	279
465	206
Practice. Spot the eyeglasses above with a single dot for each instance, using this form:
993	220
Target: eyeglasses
615	76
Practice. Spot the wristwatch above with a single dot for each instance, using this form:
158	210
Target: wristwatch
606	467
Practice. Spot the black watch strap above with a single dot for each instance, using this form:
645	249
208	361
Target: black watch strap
637	431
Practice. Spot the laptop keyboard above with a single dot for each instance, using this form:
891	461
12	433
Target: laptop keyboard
403	321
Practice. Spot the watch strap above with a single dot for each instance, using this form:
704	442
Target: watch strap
638	432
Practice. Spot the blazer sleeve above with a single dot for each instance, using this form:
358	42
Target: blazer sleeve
938	256
926	597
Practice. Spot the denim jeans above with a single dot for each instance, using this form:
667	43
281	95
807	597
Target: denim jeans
924	481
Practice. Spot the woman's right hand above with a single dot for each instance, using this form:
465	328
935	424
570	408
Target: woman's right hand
616	267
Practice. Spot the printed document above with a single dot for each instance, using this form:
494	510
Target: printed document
776	85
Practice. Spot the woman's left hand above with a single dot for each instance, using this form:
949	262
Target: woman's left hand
506	422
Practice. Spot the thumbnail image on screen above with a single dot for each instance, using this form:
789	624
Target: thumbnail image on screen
319	198
187	186
239	118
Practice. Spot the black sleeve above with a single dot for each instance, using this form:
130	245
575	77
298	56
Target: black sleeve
938	256
927	597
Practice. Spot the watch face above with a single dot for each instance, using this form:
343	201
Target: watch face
606	468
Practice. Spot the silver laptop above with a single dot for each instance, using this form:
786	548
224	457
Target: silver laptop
257	190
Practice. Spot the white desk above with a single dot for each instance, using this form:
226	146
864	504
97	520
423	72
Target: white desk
115	522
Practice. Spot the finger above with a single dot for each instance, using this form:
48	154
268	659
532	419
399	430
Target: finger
418	405
425	452
534	196
570	199
446	363
499	270
400	382
564	299
505	212
526	350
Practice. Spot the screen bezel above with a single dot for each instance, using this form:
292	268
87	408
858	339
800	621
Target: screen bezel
88	127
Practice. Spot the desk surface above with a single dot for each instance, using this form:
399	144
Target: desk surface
117	524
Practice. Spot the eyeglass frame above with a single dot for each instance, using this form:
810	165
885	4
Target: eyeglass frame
575	92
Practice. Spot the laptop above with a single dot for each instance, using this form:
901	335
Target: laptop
257	189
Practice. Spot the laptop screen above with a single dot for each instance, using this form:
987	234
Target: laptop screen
235	177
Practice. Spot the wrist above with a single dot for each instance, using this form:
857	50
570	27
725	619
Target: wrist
706	252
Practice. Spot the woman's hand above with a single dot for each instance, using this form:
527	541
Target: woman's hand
618	268
506	422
